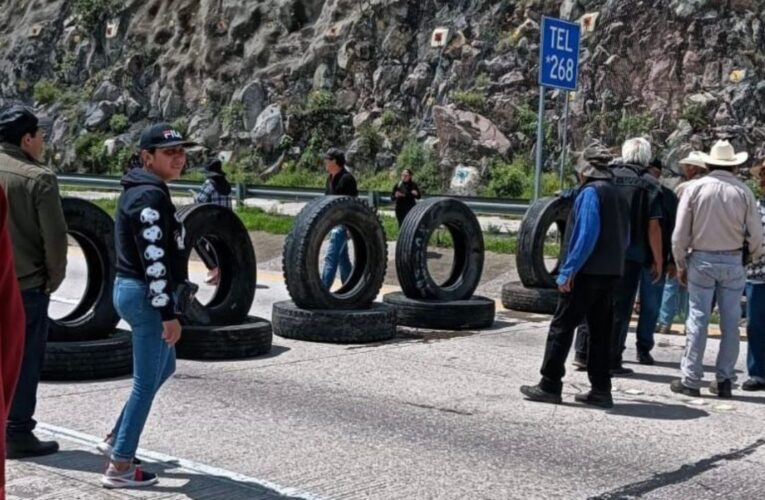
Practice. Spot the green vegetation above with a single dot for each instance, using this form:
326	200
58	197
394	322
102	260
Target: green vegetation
320	99
516	180
473	99
696	116
45	92
292	175
119	123
424	165
181	125
231	115
379	181
94	12
389	120
635	125
91	152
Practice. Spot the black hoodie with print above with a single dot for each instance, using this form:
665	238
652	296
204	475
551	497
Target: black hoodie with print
149	238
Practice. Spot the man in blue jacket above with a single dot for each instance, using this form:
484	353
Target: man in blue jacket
587	281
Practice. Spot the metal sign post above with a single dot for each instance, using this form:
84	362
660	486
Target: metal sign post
558	68
565	133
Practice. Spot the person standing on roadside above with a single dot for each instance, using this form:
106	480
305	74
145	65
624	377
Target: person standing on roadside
39	236
675	297
147	291
755	305
12	321
216	190
339	182
405	194
718	224
651	291
588	278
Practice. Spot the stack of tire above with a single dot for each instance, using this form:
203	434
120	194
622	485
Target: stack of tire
537	291
85	344
348	314
450	305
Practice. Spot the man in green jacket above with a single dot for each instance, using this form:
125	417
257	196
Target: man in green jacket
39	237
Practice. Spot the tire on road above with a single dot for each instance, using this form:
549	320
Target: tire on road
471	314
532	300
303	244
89	360
530	256
94	317
246	340
412	250
351	326
217	230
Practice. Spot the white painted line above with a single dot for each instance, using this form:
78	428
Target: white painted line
189	465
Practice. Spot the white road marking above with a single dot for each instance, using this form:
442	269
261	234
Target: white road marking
189	465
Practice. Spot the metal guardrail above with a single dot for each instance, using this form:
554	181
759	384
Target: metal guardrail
498	206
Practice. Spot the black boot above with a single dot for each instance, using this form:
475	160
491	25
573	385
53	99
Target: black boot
27	445
644	358
722	389
596	398
536	393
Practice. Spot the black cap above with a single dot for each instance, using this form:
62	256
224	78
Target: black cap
337	155
163	135
17	120
656	163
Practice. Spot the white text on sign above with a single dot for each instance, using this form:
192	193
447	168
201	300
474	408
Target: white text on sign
560	39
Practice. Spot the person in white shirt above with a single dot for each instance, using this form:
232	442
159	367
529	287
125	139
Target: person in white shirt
718	224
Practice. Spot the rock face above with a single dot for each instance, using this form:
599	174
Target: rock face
290	77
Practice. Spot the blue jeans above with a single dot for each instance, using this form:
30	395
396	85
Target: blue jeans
674	301
711	273
337	256
22	410
650	304
755	330
153	364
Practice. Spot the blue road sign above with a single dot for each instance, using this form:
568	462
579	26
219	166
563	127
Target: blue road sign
559	53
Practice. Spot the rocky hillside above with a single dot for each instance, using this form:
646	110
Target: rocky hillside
274	82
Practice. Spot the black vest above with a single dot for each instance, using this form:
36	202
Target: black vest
607	257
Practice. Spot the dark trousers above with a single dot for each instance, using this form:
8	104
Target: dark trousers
402	210
624	301
592	299
25	398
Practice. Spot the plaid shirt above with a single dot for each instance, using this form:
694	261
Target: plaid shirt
208	194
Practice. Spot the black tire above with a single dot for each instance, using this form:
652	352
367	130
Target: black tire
412	250
530	257
352	326
220	230
472	314
303	245
94	317
533	300
89	360
246	340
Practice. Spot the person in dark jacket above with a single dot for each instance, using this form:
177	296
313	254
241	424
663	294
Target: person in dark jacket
39	236
651	290
587	281
340	182
150	273
405	194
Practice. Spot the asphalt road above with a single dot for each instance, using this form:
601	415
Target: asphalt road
432	415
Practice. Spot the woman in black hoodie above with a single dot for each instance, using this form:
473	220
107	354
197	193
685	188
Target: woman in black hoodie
150	283
405	194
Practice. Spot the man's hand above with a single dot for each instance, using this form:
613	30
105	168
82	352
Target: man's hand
399	194
672	271
567	286
682	277
415	193
657	271
171	331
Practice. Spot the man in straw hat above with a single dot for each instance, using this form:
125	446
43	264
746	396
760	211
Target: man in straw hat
675	297
755	306
587	281
718	223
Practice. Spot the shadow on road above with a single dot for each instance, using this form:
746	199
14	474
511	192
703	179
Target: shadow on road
276	350
194	485
657	411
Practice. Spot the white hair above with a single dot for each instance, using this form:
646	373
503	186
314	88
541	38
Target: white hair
636	151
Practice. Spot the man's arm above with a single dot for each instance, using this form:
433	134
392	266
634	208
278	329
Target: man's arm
681	236
655	239
753	227
583	237
50	217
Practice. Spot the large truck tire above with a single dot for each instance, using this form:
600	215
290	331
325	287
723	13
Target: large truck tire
474	313
532	300
352	326
530	257
246	340
89	360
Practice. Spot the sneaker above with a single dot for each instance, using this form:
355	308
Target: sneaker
536	393
27	445
106	449
644	358
665	329
678	387
620	371
753	385
600	399
134	477
722	389
580	362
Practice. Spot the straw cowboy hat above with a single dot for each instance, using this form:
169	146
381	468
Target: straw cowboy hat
723	155
694	158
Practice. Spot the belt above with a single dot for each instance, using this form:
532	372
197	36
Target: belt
721	252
